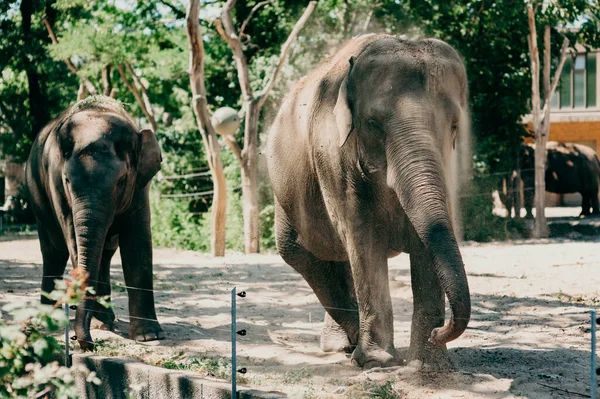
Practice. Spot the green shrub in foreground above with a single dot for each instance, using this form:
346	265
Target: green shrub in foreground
27	348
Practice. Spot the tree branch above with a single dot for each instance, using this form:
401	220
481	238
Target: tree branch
137	96
82	92
547	51
563	58
88	85
227	31
178	13
137	80
284	52
235	148
106	84
254	9
535	69
475	20
367	21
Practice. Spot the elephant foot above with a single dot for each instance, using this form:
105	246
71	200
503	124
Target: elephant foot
105	315
86	343
429	357
145	330
334	338
47	301
375	357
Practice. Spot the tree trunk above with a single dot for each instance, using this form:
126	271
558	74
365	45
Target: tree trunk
541	224
541	117
541	227
249	180
146	108
209	136
37	103
106	83
253	104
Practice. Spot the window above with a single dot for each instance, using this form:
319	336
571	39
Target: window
591	80
577	88
579	82
565	85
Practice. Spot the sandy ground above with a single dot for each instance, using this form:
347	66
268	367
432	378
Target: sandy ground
529	334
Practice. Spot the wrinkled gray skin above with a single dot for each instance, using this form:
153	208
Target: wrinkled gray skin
570	168
358	156
88	175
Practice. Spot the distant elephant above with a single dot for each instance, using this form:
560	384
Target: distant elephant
88	175
570	168
359	155
508	191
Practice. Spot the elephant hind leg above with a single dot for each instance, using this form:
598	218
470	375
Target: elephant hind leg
595	204
331	282
586	203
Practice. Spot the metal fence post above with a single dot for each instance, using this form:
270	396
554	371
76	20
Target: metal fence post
593	383
67	355
233	346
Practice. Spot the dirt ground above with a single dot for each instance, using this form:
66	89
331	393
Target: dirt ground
529	335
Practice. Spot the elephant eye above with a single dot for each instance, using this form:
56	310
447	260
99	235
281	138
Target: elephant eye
374	125
454	127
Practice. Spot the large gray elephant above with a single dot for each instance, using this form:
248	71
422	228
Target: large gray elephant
570	168
88	175
359	157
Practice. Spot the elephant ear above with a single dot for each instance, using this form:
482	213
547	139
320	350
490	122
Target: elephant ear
149	158
342	112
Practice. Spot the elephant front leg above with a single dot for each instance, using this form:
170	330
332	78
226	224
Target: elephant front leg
135	242
376	320
101	313
54	263
428	310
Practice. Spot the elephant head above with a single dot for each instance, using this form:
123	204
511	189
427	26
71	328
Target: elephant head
107	162
402	104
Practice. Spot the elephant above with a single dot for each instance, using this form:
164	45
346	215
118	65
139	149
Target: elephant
88	177
570	168
359	156
508	192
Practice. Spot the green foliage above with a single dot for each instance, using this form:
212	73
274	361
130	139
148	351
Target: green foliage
386	391
477	206
33	87
35	84
27	348
217	368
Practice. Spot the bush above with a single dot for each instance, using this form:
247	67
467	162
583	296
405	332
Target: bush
477	205
184	223
27	349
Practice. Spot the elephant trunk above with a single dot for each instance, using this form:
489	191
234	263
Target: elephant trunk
91	220
415	173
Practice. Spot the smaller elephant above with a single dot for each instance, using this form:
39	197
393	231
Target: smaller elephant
570	168
87	175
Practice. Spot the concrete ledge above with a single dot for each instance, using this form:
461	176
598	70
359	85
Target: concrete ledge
118	374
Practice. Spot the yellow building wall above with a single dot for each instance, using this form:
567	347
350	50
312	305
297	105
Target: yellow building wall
587	133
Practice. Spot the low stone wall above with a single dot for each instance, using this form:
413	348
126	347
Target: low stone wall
117	375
